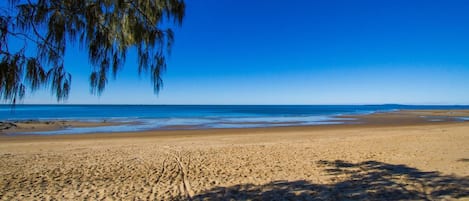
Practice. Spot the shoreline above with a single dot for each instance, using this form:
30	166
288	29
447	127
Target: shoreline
391	118
384	120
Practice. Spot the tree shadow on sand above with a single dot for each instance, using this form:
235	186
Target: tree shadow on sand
370	180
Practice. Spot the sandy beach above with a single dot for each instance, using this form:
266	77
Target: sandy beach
388	156
234	100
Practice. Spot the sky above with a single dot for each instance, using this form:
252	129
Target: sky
300	52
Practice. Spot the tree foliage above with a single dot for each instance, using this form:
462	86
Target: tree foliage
107	29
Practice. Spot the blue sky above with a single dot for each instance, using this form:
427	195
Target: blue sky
301	52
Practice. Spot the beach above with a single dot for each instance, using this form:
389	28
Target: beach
234	100
387	156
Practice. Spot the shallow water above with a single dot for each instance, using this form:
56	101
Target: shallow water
148	117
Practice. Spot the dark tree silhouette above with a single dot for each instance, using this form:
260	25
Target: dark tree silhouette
106	29
368	180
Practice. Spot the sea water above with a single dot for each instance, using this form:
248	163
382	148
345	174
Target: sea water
149	117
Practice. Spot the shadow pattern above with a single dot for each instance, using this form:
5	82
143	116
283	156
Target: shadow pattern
369	180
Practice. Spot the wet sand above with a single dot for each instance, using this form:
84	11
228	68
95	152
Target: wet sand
393	156
36	125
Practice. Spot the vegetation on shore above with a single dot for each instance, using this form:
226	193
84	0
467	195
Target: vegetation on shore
34	35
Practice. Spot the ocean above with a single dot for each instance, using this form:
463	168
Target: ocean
148	117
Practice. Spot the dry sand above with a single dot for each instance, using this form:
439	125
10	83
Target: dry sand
403	159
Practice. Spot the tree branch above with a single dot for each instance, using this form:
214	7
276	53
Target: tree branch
141	12
36	32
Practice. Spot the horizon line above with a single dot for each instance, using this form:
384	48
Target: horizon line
352	104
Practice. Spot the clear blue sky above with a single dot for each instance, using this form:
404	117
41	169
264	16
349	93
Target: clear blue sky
301	52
